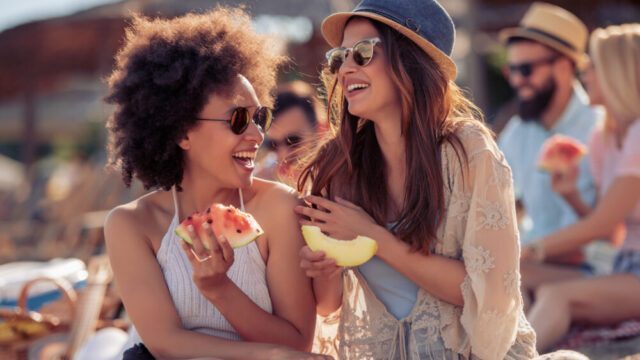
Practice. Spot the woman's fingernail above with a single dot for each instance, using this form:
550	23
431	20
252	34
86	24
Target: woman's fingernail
190	228
205	225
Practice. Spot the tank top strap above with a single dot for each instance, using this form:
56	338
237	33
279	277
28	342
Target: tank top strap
241	199
174	194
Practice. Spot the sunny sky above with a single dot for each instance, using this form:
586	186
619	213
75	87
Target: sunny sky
15	12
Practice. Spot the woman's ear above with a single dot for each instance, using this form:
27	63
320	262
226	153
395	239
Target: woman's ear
185	143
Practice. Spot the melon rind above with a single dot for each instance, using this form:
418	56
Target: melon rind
345	252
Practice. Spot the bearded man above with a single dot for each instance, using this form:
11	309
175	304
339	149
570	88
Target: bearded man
544	54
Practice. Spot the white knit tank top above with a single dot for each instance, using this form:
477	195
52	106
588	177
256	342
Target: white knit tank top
195	311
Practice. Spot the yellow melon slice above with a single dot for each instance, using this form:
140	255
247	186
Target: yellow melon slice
345	252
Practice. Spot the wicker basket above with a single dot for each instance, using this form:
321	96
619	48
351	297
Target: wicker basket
20	327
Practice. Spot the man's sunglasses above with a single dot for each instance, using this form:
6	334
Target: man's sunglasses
241	116
291	141
526	69
362	53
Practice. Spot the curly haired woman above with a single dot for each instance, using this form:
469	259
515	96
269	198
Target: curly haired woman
189	118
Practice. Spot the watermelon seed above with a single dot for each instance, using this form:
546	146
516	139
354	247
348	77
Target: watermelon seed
209	221
189	217
208	210
228	210
238	231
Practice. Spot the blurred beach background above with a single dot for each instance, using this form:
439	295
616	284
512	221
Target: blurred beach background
55	55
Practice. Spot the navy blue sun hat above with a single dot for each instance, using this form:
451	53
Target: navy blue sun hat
425	22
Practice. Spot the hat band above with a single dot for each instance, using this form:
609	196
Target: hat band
550	36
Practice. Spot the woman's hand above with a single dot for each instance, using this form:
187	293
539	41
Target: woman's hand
565	183
341	219
209	266
315	265
533	252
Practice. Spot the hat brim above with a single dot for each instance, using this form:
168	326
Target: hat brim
333	28
580	59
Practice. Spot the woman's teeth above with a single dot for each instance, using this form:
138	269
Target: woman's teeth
245	154
245	158
356	86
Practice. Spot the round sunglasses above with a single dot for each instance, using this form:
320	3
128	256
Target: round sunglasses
290	141
526	69
239	122
362	54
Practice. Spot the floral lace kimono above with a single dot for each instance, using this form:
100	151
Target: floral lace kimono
478	227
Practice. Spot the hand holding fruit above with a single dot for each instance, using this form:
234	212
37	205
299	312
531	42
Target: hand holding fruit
315	264
533	251
325	255
340	219
564	183
210	255
209	266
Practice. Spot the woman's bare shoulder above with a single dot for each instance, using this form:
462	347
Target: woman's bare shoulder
136	215
273	193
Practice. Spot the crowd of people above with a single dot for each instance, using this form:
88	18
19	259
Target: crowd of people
398	154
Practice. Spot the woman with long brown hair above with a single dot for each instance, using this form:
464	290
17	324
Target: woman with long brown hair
412	166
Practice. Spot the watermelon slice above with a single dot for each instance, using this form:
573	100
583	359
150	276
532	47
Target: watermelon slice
560	152
239	228
345	252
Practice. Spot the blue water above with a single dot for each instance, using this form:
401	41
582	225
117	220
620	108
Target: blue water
36	302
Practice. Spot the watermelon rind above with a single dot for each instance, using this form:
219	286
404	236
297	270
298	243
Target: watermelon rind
235	240
184	235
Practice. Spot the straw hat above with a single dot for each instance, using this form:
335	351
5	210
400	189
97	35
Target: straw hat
424	22
555	27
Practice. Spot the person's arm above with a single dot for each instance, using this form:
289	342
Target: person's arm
326	277
346	220
436	274
622	196
144	293
293	320
487	281
565	185
490	249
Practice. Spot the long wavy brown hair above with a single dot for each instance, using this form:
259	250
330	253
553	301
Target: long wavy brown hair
349	163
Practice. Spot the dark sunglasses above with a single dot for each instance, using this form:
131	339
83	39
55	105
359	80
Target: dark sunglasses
291	141
241	116
526	69
362	53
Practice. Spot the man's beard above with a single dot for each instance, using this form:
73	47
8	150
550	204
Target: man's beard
531	109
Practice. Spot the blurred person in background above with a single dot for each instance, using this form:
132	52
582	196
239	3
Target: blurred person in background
544	54
296	126
188	124
613	81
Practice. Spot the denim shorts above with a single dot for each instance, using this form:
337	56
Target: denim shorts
627	262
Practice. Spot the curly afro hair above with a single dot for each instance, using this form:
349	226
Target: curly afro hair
163	77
